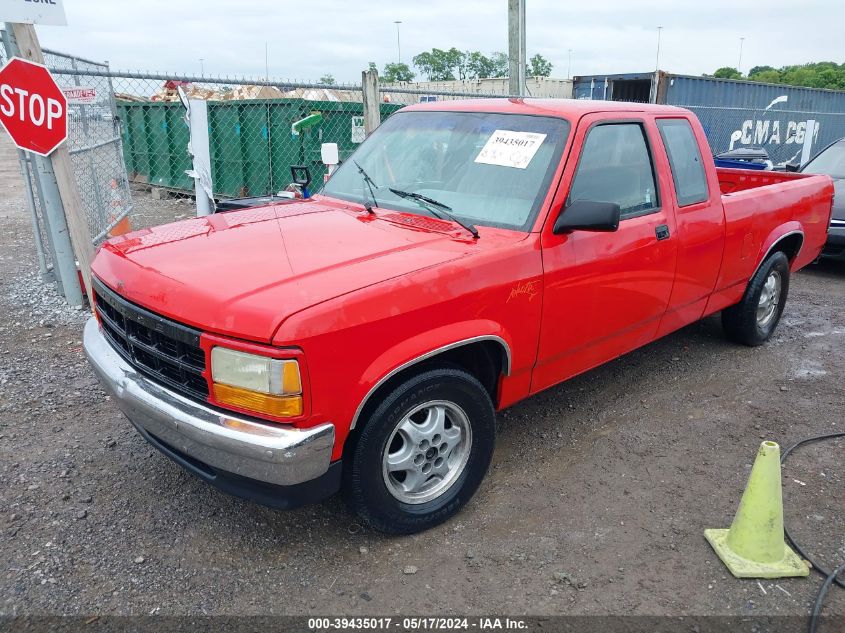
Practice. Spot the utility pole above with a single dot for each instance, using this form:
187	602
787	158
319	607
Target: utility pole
657	60
202	67
569	65
739	63
266	62
516	47
398	45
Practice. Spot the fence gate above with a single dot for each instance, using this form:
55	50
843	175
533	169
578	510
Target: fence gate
95	147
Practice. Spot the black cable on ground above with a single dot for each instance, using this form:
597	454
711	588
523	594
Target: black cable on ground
831	577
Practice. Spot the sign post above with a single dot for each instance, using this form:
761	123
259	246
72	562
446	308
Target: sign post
34	111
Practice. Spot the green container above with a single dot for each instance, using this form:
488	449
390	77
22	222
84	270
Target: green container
158	143
137	128
255	146
285	148
252	147
227	168
180	159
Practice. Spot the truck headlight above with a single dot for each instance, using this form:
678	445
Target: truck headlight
249	381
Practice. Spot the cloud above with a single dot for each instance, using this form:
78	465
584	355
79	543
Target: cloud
307	40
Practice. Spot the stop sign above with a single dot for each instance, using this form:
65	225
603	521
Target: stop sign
33	108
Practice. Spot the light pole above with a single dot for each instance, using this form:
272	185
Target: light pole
202	67
739	64
398	45
569	65
657	60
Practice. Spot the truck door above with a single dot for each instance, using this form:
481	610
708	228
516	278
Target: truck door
605	293
700	217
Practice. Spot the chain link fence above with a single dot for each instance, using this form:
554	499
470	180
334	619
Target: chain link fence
780	132
258	130
128	137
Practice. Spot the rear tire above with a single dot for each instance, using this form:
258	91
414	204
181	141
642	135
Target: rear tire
423	452
753	320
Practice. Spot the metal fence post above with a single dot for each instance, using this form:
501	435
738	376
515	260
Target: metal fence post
30	199
198	148
372	112
64	264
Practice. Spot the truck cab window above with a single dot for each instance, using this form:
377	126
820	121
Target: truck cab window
685	160
615	166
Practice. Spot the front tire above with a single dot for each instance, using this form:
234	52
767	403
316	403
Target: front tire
423	452
753	320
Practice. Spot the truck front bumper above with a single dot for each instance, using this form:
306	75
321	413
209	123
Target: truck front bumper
274	465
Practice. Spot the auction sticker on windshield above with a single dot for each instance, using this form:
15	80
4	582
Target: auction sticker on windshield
510	149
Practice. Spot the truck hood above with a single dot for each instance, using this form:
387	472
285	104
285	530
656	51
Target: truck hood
242	273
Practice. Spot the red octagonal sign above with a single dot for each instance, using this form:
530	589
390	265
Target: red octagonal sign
33	108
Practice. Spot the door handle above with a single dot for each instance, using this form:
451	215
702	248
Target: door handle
662	232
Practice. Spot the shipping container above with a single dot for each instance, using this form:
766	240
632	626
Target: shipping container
734	113
251	143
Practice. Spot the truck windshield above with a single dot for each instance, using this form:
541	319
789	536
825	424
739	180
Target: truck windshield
489	169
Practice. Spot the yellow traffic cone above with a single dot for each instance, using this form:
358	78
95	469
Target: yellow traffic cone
754	546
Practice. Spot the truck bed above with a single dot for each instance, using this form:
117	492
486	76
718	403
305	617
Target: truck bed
757	201
733	180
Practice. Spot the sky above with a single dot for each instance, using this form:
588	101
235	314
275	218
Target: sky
306	40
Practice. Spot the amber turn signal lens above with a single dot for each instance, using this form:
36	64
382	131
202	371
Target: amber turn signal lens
278	406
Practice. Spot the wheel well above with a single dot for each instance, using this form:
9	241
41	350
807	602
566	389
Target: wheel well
485	360
789	245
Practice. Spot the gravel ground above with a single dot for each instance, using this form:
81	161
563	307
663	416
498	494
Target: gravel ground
595	504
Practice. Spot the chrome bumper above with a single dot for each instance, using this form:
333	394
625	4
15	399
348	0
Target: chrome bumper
278	455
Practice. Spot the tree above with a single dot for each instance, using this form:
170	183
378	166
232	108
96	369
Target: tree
765	76
726	72
539	66
440	65
372	66
756	70
329	79
830	75
394	72
500	64
480	66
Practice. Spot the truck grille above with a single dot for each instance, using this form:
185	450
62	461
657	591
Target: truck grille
164	350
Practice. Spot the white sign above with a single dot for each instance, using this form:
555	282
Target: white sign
80	94
50	12
510	149
359	132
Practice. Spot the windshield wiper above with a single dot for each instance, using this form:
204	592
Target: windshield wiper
370	184
431	204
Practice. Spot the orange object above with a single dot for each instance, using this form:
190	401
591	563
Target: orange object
279	406
124	226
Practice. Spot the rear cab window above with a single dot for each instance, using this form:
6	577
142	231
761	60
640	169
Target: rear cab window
684	160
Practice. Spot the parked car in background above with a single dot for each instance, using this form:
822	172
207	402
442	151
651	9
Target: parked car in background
831	162
468	255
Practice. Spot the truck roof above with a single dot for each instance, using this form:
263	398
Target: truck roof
564	108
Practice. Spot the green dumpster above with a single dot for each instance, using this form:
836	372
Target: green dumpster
158	142
180	159
227	171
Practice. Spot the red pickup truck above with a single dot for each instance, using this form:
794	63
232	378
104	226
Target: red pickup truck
468	255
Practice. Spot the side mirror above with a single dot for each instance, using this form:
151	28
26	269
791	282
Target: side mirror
792	166
586	215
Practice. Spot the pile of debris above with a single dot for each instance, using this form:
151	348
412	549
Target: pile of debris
169	91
